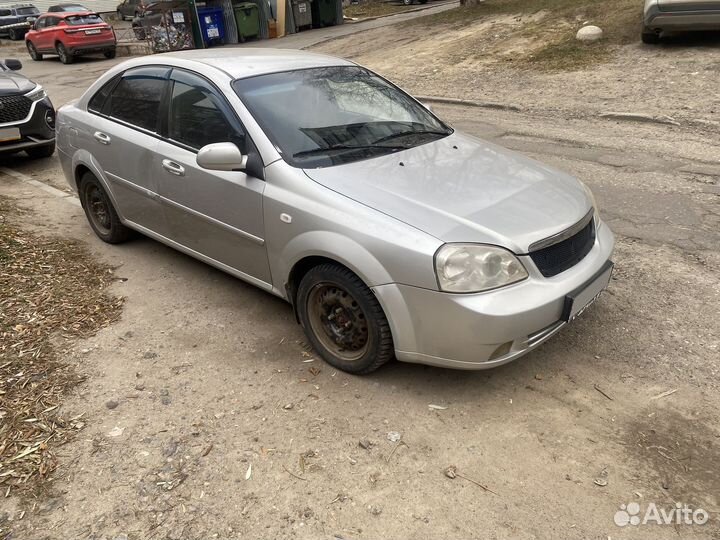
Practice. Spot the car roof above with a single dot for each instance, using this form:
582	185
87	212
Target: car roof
247	62
15	6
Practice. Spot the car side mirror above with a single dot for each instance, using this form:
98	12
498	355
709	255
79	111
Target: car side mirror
13	64
223	156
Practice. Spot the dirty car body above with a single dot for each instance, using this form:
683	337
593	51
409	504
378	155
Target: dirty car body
324	184
662	16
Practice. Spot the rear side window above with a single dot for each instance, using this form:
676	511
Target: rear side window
136	98
77	20
27	11
5	13
98	100
51	21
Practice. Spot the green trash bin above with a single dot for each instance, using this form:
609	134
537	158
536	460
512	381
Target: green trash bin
247	18
323	13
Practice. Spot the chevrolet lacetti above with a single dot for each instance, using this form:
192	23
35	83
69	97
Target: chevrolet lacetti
317	180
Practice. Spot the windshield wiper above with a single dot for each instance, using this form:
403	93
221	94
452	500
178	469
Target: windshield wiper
333	148
412	132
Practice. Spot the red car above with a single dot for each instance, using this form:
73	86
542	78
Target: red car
69	35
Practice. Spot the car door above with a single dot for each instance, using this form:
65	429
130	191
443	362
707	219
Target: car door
217	214
39	36
122	137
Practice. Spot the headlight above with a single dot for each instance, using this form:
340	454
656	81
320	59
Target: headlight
37	94
465	268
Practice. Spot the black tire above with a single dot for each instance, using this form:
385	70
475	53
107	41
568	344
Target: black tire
63	54
34	54
39	152
100	212
649	37
13	34
110	54
337	309
408	2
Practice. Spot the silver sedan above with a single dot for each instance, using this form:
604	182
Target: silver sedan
317	180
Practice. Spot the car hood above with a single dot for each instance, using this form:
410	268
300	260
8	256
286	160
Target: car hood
463	189
14	83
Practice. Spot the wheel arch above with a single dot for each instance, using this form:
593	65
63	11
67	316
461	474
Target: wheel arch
83	163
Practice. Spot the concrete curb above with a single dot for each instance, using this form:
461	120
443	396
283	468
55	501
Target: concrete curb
132	48
643	118
470	103
421	8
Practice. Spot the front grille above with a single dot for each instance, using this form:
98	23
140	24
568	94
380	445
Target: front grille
14	108
559	257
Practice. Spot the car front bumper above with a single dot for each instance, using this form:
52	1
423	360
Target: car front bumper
36	130
484	330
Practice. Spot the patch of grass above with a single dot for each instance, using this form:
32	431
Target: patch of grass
51	289
620	21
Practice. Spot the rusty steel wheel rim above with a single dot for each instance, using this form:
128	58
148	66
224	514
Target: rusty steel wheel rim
338	321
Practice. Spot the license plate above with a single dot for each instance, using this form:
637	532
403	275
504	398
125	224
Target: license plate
213	32
583	297
9	134
91	32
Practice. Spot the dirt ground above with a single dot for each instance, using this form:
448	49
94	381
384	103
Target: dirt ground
208	416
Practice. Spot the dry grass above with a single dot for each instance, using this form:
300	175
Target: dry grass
558	49
51	290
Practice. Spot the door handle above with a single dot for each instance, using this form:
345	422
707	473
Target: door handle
101	137
173	168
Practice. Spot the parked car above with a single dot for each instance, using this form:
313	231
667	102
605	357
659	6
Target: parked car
69	35
152	14
27	117
129	9
69	8
679	16
390	233
15	14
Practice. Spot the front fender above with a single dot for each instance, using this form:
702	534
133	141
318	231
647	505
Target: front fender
333	246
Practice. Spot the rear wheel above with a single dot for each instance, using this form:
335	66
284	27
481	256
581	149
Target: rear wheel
34	54
408	2
343	320
100	212
110	54
13	34
63	54
38	152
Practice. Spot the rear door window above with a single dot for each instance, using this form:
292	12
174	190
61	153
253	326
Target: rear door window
136	98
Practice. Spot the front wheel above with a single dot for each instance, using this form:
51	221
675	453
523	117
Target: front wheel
34	54
100	212
63	54
343	320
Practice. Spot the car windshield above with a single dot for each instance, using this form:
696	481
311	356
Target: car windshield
28	11
77	20
321	117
